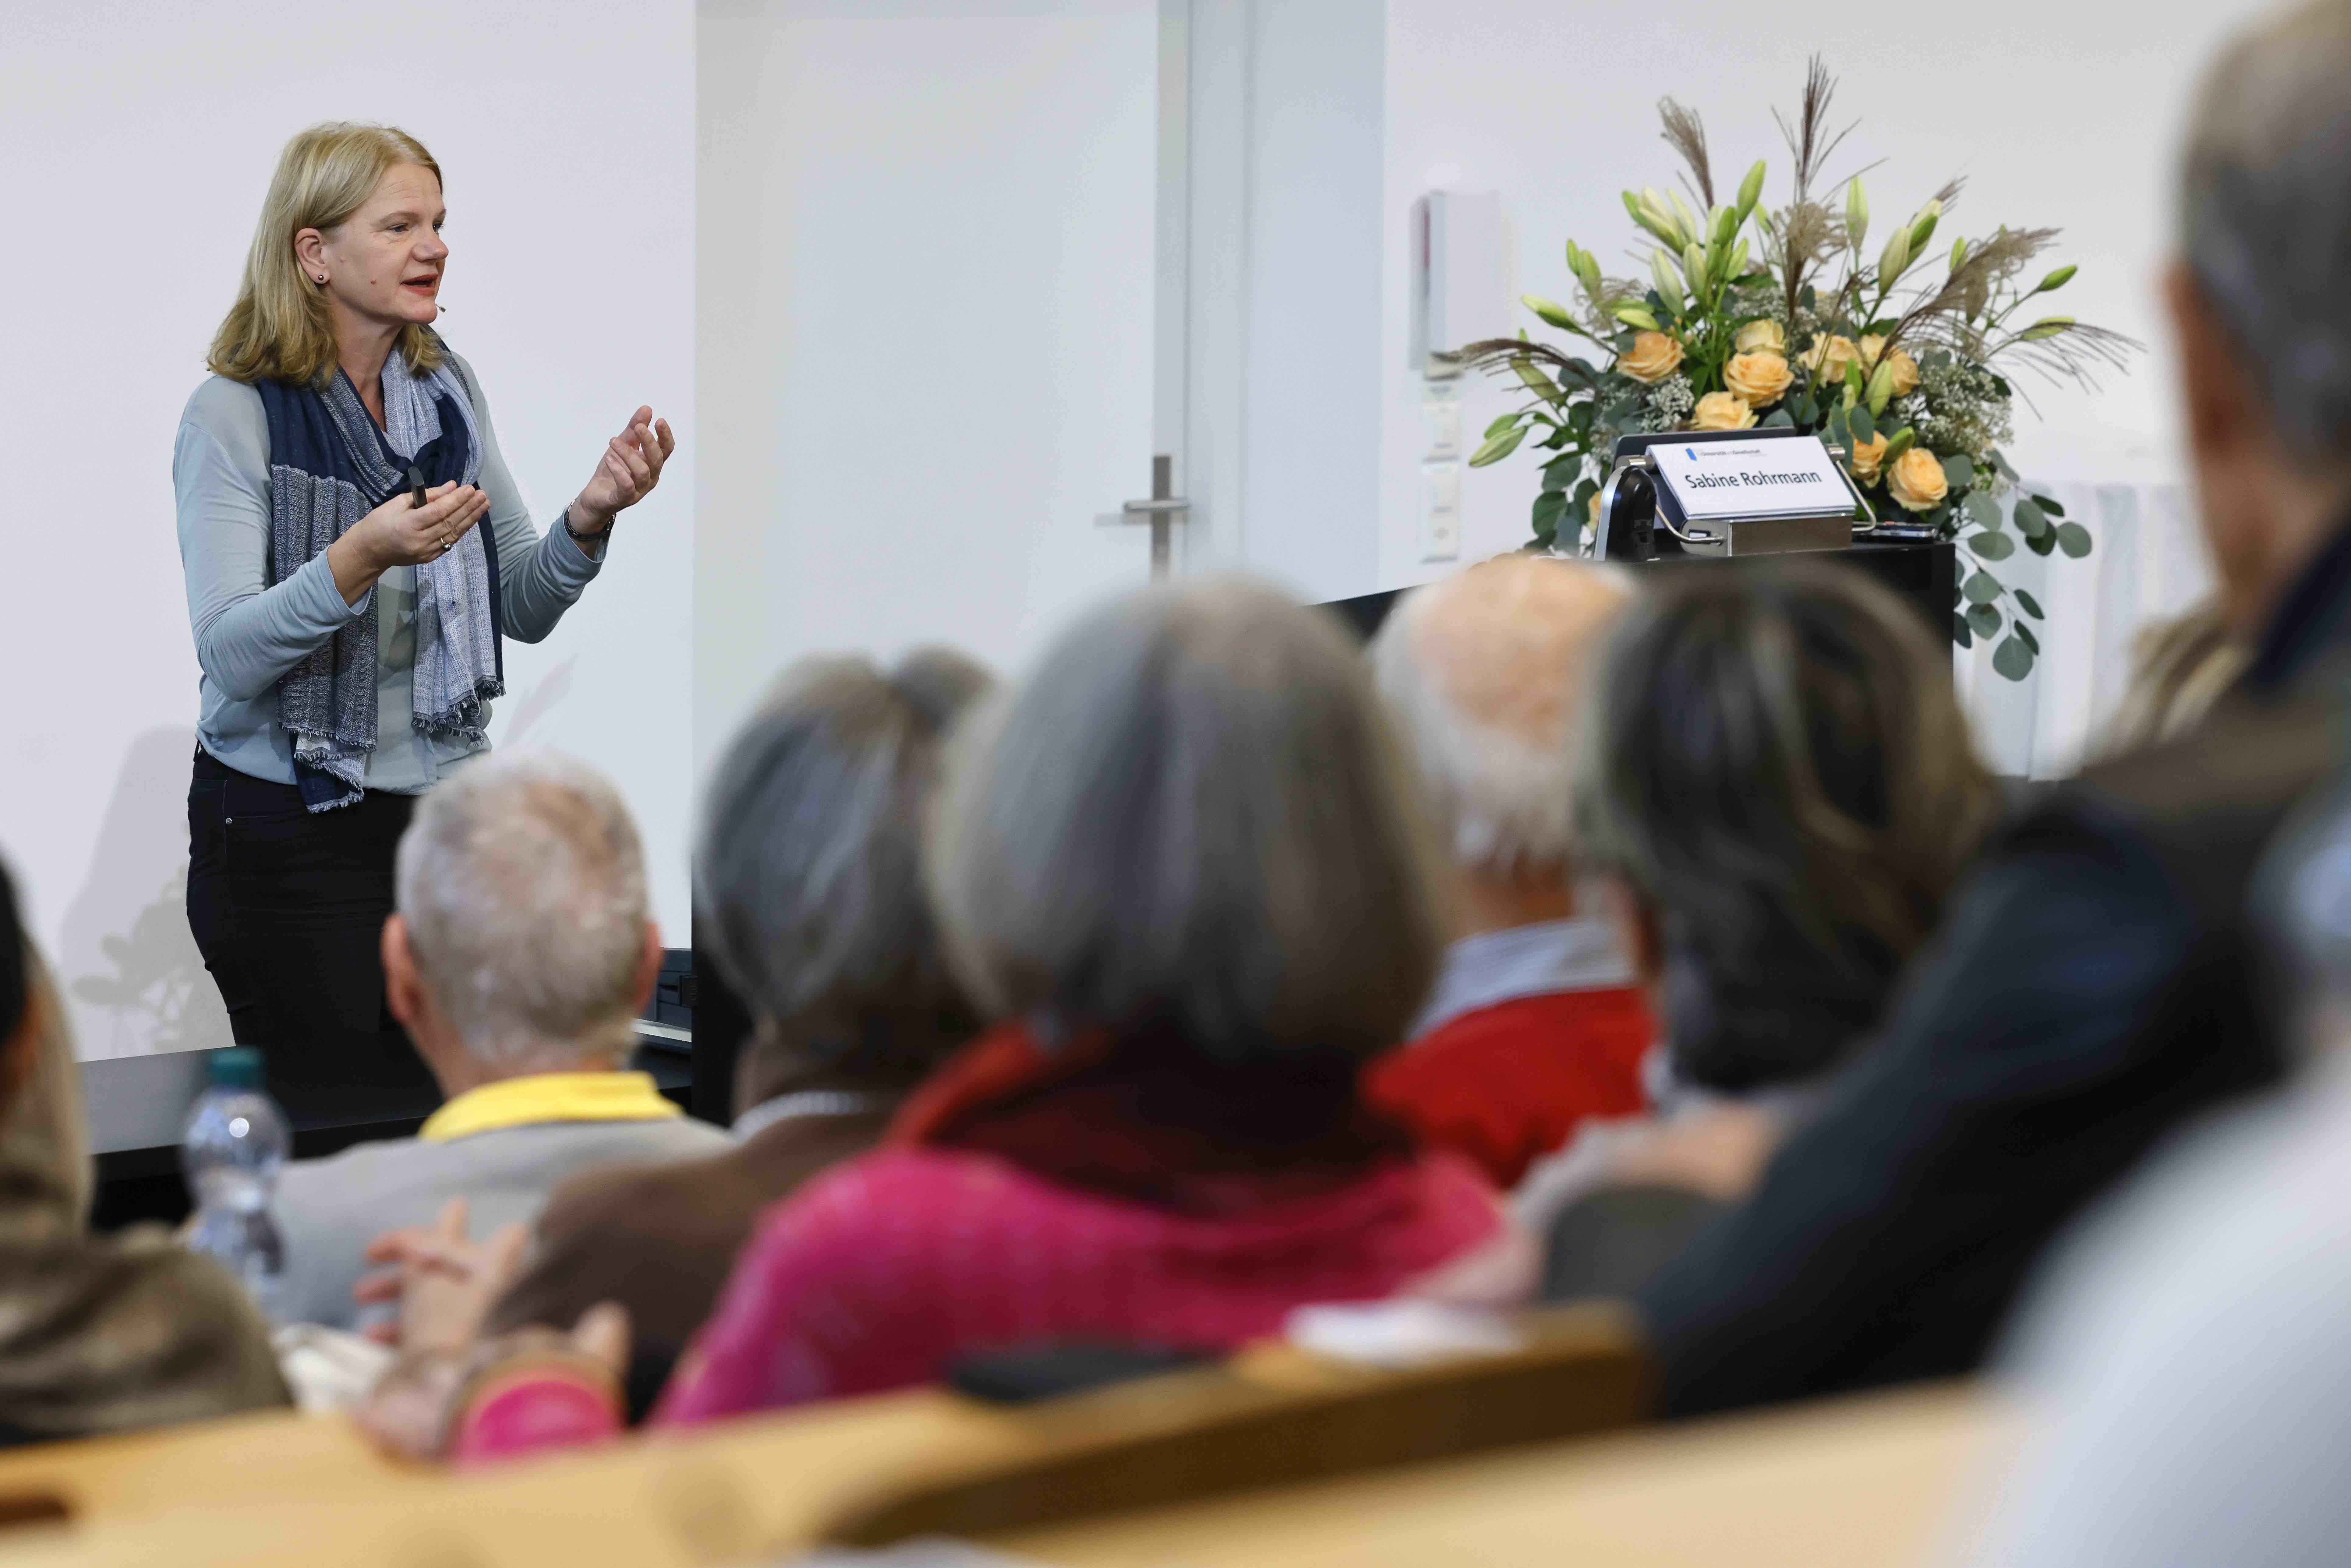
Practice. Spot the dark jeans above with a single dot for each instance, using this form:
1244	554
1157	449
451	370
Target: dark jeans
287	908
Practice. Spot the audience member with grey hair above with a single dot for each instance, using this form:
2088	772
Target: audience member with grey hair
1776	789
519	950
1185	867
1535	1025
2094	986
809	884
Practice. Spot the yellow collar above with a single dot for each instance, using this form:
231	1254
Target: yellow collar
548	1097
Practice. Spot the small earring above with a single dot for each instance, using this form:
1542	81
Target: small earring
319	277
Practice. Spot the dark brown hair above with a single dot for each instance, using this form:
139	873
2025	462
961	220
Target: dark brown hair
1774	760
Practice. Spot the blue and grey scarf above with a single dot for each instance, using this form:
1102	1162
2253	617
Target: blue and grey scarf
329	467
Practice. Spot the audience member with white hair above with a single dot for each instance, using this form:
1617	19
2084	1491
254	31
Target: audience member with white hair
519	951
1535	1024
808	881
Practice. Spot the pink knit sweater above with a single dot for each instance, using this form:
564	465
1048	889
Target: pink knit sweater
891	1268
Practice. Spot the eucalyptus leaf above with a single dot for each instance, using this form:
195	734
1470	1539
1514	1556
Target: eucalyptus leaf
1959	632
1779	419
2000	463
1983	509
1984	619
1862	423
2031	520
2048	506
1548	506
1980	588
1991	547
2043	542
2073	539
1958	472
2031	605
2030	640
2012	658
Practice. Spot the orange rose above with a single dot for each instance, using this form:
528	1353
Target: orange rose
1867	456
1828	356
1761	333
1759	377
1653	357
1916	481
1721	411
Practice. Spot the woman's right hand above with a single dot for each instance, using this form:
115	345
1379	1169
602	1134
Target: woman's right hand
400	533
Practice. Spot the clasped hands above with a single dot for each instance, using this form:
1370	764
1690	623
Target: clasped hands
445	1285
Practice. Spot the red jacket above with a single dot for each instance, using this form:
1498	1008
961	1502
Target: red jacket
1508	1083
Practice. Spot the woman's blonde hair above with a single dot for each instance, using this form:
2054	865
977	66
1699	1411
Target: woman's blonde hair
278	328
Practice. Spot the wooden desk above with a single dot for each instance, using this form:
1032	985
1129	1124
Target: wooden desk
280	1489
1855	1482
1844	1484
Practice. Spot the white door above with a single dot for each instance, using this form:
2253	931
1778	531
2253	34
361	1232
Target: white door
931	300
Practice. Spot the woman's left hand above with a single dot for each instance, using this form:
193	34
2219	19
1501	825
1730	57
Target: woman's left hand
632	466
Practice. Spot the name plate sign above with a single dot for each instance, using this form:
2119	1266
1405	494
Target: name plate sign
1784	477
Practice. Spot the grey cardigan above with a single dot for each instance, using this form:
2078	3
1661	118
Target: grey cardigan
250	632
328	1210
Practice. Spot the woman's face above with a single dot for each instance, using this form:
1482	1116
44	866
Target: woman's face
383	263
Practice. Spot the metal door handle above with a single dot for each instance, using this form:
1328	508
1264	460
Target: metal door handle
1161	509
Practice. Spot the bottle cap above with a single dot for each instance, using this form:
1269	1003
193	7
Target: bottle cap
235	1067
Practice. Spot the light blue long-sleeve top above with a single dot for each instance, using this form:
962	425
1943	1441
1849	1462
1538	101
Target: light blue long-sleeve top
250	632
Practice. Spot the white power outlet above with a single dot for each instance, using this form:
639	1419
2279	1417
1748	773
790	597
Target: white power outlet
1440	419
1440	511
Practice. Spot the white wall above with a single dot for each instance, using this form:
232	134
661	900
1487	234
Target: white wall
138	140
2059	112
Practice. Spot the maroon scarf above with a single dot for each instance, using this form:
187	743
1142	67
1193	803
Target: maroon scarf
1147	1118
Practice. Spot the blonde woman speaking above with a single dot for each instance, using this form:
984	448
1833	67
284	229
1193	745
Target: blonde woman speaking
355	550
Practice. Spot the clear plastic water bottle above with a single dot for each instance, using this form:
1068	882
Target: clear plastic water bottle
236	1145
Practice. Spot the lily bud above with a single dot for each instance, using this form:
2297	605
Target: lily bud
1694	264
1636	316
2058	279
1738	267
1959	253
1857	213
1652	217
1555	314
2047	326
1904	439
1895	258
1667	226
1669	287
1751	189
1880	388
1691	228
1725	224
1922	227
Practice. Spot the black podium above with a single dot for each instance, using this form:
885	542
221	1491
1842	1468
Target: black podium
1925	575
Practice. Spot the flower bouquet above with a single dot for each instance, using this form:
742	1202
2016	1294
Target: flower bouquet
1750	316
